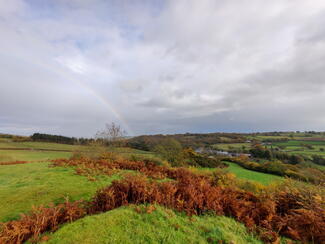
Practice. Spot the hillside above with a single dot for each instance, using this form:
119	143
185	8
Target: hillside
37	181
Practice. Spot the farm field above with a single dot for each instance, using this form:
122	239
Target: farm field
8	143
289	136
29	151
296	147
291	146
15	151
231	146
26	155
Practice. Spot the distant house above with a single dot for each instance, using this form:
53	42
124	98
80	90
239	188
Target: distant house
218	152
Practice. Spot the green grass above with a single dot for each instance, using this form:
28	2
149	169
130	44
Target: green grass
125	225
299	142
229	146
34	154
268	137
25	185
260	177
37	155
295	147
246	174
24	155
38	145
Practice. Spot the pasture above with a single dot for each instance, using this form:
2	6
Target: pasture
232	146
33	184
303	147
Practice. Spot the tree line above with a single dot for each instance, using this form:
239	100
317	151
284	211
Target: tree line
40	137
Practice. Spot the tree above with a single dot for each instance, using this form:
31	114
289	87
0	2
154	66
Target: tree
318	159
113	134
171	150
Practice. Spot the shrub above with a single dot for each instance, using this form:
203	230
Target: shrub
250	186
223	178
172	151
318	160
40	220
146	159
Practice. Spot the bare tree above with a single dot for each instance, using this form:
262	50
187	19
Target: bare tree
113	134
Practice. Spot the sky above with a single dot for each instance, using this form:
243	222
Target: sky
70	66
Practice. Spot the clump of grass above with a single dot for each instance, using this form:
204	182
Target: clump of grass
126	225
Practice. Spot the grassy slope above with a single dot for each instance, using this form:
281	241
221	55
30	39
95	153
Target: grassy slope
7	143
125	225
21	155
22	186
229	146
13	155
34	155
292	147
242	173
246	174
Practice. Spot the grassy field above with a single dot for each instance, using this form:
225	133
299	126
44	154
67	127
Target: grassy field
296	147
261	138
48	151
25	185
33	154
7	143
230	146
125	225
22	155
246	174
291	146
290	136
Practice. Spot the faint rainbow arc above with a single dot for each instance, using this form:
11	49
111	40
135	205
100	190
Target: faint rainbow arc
62	75
108	105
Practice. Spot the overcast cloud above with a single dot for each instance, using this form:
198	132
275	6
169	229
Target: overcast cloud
69	66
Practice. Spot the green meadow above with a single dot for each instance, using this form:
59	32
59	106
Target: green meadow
246	174
23	186
250	175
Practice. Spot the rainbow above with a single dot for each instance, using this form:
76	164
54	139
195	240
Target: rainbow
111	108
91	91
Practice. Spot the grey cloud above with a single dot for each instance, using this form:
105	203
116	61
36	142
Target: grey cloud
71	66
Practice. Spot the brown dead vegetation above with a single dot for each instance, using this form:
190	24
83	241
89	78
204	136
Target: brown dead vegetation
294	214
14	162
40	220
